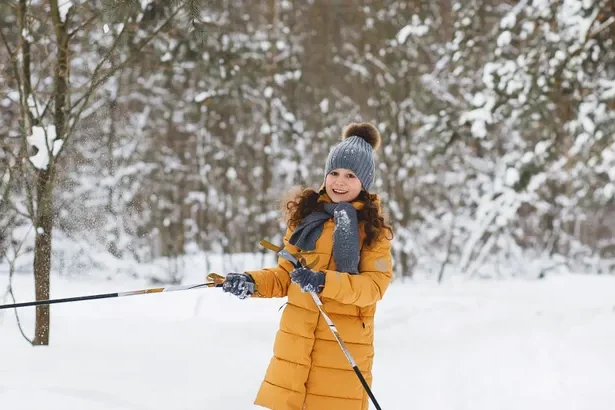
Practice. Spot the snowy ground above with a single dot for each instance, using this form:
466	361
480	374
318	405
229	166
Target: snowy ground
475	345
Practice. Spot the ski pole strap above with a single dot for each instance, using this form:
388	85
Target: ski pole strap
281	252
270	246
296	260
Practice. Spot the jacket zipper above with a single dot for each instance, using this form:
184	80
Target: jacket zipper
361	316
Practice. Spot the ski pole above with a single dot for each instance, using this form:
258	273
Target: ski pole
216	281
292	259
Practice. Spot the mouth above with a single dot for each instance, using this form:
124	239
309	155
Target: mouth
338	191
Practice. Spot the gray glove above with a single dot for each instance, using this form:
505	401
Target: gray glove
238	284
308	280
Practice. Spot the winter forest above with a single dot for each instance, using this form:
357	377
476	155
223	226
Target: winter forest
140	136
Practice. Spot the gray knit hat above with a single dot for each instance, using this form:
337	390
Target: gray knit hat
355	152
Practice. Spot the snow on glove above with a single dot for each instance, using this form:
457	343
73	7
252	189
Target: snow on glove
238	284
308	280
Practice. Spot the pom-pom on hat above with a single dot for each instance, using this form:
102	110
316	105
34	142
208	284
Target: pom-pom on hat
355	152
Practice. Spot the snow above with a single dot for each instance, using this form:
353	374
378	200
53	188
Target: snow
542	147
342	222
508	21
511	177
416	28
504	39
44	145
579	142
609	190
481	116
35	108
202	96
477	345
231	173
608	91
63	7
324	105
571	14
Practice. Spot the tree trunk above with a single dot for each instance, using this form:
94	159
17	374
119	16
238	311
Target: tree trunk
42	255
45	182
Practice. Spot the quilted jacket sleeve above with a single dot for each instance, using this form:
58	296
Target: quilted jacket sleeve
273	282
368	287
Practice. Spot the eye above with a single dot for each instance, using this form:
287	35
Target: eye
334	173
351	176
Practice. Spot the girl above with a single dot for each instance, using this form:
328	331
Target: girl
340	234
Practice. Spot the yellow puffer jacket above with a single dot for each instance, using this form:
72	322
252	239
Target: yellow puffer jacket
308	370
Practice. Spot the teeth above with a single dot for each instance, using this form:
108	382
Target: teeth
339	192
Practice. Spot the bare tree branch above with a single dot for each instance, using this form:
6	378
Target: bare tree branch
9	289
84	25
98	80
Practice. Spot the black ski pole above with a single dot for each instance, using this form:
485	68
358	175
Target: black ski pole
216	281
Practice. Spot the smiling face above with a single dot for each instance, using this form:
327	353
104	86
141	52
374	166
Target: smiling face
342	185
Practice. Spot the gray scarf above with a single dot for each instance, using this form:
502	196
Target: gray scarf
345	236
